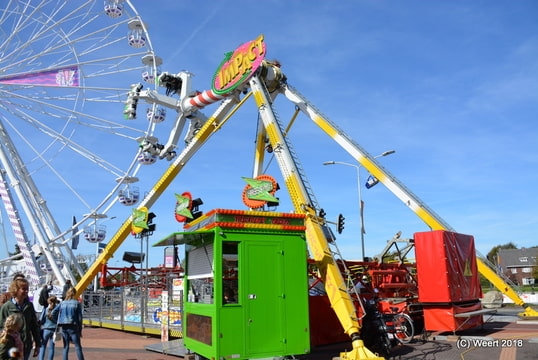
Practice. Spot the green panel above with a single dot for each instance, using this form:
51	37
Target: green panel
200	315
269	315
194	339
231	330
296	315
263	298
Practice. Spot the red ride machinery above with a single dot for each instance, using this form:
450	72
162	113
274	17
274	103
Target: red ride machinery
448	283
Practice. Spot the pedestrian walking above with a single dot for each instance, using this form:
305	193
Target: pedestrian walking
49	326
7	295
70	322
11	346
19	303
44	294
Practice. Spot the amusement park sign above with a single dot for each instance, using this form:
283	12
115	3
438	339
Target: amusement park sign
238	67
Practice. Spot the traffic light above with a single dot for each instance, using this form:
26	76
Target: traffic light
151	225
195	211
340	223
129	112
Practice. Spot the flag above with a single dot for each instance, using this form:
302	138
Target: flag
64	77
102	246
76	237
363	231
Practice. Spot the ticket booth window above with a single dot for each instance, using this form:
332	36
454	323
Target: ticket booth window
200	274
230	272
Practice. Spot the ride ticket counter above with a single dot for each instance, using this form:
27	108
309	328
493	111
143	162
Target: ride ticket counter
246	285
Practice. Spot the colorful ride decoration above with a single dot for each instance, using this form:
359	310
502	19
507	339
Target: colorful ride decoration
238	66
260	191
174	316
183	207
140	220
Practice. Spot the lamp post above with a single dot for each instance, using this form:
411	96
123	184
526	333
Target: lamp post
359	192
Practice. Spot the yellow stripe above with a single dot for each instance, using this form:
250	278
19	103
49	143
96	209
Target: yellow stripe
325	126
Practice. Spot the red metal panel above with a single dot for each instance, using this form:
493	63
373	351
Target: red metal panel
324	325
440	317
446	267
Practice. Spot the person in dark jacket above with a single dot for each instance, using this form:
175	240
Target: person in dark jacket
44	295
66	287
49	325
19	303
70	321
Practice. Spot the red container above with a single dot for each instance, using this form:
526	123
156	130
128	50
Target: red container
446	267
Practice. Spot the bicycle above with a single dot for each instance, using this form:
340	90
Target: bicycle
399	326
383	330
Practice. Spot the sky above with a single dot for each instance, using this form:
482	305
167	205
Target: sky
451	87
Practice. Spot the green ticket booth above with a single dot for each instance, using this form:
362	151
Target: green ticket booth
246	286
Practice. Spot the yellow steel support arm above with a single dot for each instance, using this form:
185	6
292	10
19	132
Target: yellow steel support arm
335	285
212	125
433	220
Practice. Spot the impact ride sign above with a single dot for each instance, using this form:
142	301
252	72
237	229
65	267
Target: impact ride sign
238	66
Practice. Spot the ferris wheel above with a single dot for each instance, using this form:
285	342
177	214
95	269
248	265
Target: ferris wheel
67	153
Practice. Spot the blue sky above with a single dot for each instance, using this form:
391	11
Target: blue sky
450	86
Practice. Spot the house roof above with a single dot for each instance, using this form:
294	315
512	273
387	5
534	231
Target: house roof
517	257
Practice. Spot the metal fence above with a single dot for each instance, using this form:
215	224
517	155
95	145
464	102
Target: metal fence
136	309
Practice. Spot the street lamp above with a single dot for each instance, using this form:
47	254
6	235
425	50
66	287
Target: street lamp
361	205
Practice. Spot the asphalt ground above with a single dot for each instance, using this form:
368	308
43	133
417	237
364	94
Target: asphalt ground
502	337
107	344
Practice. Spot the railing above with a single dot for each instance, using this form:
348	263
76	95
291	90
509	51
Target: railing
134	309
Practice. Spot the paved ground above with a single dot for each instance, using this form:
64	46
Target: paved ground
106	344
503	338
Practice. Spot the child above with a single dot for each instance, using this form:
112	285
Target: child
11	346
49	319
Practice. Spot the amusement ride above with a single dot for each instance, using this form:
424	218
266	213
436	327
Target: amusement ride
65	67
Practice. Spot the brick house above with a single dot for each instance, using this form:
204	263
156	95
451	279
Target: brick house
519	265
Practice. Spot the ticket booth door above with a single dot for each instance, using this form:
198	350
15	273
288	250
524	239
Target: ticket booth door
263	298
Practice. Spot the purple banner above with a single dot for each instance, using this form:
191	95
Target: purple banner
68	76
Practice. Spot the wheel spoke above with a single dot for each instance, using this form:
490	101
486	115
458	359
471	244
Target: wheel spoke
63	65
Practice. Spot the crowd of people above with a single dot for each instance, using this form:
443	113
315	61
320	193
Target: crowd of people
26	333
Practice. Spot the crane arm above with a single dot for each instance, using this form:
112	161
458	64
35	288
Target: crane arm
316	234
433	220
212	125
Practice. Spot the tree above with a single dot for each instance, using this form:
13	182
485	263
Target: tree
492	254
